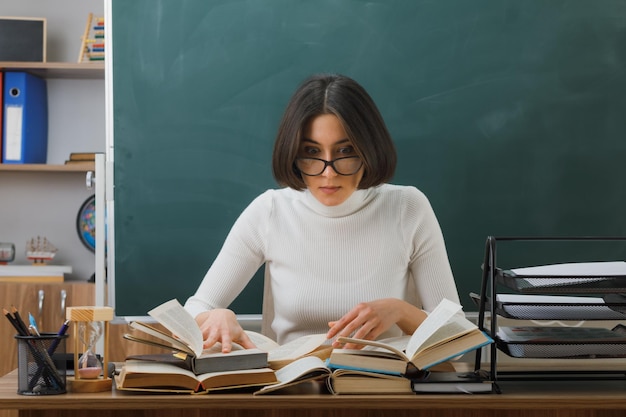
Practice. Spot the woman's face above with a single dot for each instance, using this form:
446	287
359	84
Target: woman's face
325	138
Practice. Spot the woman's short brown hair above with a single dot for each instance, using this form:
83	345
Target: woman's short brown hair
357	112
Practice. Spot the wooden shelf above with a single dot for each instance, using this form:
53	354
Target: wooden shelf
88	70
83	167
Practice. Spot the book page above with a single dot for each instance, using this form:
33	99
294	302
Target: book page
456	327
398	342
299	368
177	320
296	348
435	320
261	341
154	332
289	351
392	344
303	369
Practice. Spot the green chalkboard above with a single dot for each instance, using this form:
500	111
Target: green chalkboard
510	116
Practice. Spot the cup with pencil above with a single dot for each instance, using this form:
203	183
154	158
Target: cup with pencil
38	372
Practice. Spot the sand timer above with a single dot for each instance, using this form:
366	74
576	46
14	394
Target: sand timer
89	332
90	325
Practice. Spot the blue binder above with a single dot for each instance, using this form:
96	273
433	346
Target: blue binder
25	119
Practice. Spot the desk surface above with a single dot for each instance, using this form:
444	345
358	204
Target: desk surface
602	398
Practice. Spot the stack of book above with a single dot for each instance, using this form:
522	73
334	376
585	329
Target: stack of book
390	366
193	369
445	335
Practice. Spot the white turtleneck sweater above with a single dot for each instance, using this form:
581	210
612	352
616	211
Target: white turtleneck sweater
325	260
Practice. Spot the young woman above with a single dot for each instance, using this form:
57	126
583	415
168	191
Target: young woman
346	252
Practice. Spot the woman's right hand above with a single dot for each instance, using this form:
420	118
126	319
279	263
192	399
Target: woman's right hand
221	325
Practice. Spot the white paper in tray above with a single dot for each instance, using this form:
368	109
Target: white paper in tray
581	269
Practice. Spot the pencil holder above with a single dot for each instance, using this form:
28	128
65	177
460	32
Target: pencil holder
38	370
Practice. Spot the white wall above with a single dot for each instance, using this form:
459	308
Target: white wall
36	204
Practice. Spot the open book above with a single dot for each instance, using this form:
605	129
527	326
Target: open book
186	340
138	375
339	381
281	355
304	369
444	335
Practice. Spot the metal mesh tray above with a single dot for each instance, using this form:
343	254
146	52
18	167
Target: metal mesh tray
561	284
562	350
562	342
561	308
547	307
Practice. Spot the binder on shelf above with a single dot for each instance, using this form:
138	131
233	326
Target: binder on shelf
25	119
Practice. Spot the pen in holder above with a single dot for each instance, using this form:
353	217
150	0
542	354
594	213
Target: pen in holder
38	372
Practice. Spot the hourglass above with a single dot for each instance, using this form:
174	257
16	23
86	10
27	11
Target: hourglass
89	332
90	324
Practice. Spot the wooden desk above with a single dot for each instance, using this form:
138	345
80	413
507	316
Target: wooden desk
553	399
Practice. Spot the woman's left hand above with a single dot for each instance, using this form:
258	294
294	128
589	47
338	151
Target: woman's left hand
368	320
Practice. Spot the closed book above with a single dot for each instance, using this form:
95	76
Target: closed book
233	360
345	381
452	382
25	118
211	361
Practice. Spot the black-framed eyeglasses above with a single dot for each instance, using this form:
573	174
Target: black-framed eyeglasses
312	167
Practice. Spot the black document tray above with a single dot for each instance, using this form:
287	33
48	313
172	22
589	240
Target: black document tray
526	284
